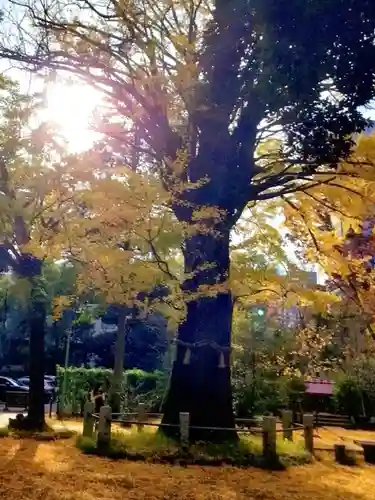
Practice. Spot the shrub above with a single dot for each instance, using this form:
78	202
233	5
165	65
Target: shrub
264	395
295	390
348	397
256	398
86	444
146	387
141	386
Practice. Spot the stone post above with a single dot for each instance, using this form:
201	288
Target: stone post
88	419
341	455
308	424
287	421
104	427
269	438
184	429
141	411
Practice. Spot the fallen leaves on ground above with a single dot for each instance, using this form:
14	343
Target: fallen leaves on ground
31	470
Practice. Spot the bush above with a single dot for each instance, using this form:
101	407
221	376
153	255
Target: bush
79	382
348	397
295	390
86	444
264	396
142	387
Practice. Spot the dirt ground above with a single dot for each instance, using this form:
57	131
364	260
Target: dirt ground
31	470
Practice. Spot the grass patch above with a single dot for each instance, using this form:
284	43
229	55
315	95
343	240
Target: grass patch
47	435
154	447
86	444
4	432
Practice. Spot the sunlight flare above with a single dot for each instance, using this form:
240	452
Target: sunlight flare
69	108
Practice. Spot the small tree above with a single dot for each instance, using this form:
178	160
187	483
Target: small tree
33	197
124	241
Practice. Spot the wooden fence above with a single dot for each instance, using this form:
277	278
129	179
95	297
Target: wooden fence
100	424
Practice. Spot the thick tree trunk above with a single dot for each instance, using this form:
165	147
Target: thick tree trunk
35	417
201	379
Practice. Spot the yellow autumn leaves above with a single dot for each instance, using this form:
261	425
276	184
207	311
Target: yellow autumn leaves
320	218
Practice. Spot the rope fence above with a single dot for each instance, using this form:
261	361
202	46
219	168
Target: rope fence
99	425
121	418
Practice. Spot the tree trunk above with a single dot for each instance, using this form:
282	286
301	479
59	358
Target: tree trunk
201	378
118	369
35	417
31	268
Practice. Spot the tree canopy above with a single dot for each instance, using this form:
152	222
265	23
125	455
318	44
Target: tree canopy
333	225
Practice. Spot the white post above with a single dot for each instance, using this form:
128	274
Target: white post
184	429
104	427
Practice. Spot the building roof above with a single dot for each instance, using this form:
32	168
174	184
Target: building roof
319	387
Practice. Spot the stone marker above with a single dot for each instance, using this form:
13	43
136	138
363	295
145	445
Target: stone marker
184	429
141	412
308	424
104	426
287	420
269	438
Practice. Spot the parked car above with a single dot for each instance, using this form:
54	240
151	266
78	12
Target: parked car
51	379
9	384
48	386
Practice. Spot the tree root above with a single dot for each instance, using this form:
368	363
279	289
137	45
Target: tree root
22	423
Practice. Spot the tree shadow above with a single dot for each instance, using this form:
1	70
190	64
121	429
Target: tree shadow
322	480
25	450
26	476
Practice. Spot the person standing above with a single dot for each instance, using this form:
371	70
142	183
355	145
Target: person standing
97	397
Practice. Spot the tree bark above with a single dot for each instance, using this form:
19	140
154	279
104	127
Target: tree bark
201	375
35	417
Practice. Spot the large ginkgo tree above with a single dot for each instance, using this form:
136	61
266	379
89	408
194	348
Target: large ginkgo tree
199	87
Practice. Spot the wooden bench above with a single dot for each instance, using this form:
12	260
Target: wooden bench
368	450
14	399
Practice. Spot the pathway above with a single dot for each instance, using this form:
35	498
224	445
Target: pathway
6	415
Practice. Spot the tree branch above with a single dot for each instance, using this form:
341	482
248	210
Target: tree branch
295	207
